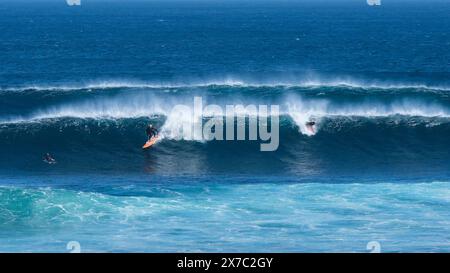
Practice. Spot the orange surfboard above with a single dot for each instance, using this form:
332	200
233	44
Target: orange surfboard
150	142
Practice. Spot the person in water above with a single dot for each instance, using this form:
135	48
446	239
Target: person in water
151	131
310	126
49	159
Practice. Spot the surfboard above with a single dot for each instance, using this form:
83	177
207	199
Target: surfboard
311	129
150	142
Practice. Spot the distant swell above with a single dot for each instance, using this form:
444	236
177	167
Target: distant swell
302	81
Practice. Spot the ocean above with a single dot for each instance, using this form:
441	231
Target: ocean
83	82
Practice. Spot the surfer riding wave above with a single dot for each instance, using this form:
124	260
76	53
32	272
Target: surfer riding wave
152	135
151	131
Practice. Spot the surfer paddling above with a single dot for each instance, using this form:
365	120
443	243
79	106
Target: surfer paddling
49	159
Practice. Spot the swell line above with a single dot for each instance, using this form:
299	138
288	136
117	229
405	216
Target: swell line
230	82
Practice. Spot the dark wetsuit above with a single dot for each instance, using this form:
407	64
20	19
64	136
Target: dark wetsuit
49	159
151	132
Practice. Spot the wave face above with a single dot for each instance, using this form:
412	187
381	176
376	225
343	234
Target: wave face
100	127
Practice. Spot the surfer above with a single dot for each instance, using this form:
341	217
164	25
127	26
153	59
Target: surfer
310	125
152	134
49	159
151	131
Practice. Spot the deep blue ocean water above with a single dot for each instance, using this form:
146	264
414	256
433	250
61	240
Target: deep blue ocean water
83	82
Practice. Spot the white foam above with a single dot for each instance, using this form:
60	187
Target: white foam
301	110
309	80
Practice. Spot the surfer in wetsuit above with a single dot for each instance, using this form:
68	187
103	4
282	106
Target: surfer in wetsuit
151	131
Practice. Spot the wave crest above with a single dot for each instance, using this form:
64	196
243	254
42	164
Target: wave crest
302	81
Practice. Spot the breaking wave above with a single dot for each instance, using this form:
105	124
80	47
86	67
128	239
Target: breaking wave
102	131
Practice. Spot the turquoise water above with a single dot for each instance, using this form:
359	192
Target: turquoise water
229	217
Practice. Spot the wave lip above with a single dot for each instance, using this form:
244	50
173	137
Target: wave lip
145	106
298	109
